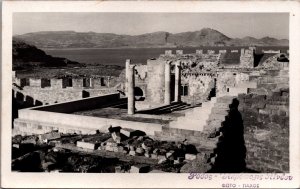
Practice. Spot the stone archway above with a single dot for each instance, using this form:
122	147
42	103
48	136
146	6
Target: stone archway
138	93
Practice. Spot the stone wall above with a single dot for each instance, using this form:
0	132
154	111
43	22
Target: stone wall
266	130
54	95
156	81
247	58
199	87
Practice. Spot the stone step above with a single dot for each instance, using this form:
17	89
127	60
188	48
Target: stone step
219	111
216	117
184	132
225	99
196	117
198	111
192	125
221	105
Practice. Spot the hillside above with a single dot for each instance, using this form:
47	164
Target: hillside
204	37
28	56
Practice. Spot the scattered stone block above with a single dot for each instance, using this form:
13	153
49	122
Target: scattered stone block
177	161
140	169
109	148
161	159
120	148
111	142
127	132
86	145
190	157
116	137
155	151
49	136
29	141
140	150
131	148
170	154
116	149
132	153
147	155
153	156
102	148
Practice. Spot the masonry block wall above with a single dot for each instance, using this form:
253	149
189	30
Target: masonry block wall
156	81
56	83
199	87
266	120
266	130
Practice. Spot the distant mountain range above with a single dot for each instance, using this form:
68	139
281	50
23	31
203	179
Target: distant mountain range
204	37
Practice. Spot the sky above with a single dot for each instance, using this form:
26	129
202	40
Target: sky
234	25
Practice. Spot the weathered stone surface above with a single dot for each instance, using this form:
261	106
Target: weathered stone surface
87	145
161	159
190	157
132	153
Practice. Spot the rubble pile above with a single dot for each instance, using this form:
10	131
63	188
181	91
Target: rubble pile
133	144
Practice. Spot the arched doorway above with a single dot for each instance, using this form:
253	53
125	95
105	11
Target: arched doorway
138	93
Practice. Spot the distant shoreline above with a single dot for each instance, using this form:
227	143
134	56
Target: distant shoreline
95	48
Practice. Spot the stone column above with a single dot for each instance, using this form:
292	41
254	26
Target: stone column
126	75
177	81
130	90
167	98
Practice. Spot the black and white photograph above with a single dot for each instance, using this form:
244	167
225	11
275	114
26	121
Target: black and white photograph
174	93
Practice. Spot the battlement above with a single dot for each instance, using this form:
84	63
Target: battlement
63	83
271	51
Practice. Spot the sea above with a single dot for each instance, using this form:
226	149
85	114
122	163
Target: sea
118	56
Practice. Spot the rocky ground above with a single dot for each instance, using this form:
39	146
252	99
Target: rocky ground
119	150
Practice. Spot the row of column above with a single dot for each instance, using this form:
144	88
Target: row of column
130	84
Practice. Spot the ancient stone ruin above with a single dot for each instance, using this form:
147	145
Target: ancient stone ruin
231	108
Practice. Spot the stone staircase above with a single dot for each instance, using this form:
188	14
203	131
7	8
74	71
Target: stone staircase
218	113
194	119
207	117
